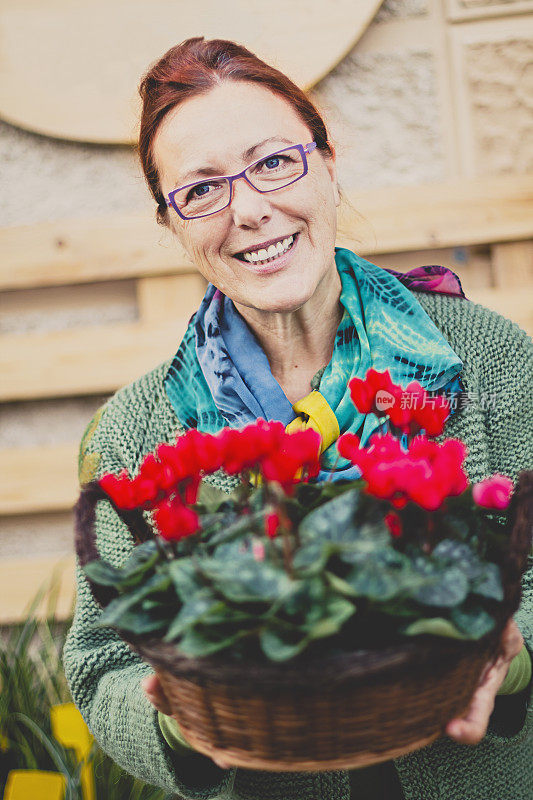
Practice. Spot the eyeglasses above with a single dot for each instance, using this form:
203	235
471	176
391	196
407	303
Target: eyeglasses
279	169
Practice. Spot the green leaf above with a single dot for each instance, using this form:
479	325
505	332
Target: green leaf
305	596
330	619
185	577
143	558
281	645
102	573
435	626
339	585
380	576
489	583
197	643
311	558
247	580
192	612
333	521
459	554
243	524
123	612
474	622
434	585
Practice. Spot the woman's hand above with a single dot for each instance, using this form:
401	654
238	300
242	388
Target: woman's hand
156	695
472	727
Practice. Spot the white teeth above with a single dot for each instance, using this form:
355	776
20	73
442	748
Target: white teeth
273	251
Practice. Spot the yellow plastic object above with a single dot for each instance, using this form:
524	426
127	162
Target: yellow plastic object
319	416
70	730
34	784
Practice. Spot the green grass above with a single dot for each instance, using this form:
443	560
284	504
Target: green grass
31	681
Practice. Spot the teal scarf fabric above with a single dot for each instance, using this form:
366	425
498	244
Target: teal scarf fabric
220	375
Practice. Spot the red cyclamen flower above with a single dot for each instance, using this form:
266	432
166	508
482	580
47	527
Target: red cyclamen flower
120	489
493	492
294	453
272	523
174	520
425	474
409	409
394	524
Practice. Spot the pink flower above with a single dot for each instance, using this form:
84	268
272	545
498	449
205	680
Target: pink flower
493	492
258	550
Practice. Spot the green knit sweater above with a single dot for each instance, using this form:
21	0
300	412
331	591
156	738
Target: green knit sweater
104	675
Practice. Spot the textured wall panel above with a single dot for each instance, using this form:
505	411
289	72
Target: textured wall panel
461	10
500	77
493	63
45	179
384	117
393	9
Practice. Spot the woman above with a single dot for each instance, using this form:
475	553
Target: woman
286	314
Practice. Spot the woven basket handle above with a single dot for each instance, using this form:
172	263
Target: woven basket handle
85	532
520	535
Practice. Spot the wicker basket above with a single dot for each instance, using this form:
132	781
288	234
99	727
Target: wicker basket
337	712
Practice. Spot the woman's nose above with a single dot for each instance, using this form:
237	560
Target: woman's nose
250	208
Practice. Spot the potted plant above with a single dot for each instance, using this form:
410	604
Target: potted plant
293	622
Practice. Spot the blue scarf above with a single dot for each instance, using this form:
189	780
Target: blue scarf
221	376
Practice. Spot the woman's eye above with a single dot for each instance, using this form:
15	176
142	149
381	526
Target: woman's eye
272	163
199	190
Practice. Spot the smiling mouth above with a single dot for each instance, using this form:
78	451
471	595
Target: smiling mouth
265	254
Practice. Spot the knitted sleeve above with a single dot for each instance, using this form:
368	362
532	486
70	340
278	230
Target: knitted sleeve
104	675
508	376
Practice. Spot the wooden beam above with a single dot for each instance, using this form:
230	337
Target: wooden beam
84	251
38	479
513	303
22	578
512	266
83	361
453	214
395	219
162	298
100	359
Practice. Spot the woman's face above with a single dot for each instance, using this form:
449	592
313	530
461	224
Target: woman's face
225	130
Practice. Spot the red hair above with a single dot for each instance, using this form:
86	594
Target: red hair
196	66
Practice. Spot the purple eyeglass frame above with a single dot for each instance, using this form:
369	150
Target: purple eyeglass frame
304	149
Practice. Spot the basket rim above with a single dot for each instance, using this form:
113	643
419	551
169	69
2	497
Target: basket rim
302	672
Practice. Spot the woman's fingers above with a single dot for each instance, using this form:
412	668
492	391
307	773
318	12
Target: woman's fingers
155	694
221	762
511	642
472	726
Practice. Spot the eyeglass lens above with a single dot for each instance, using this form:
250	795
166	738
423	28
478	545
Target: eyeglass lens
272	172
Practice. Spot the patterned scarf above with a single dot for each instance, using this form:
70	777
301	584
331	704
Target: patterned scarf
221	377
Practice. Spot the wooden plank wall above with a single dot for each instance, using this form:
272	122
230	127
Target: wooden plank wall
483	230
